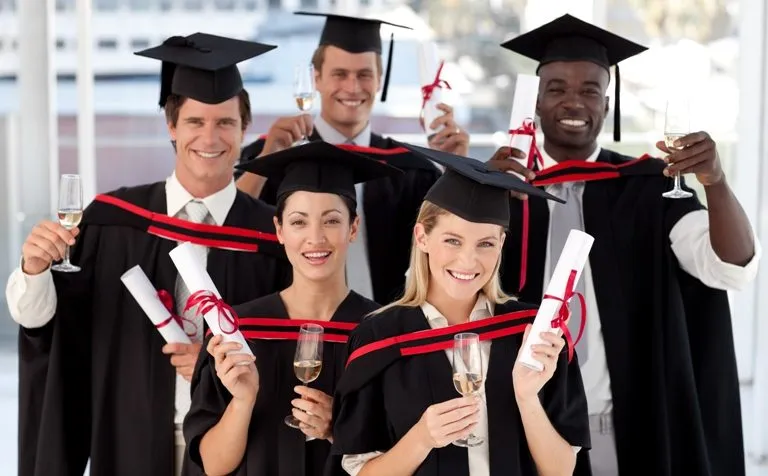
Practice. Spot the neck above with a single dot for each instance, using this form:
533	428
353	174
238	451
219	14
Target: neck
350	131
561	153
311	299
198	188
455	311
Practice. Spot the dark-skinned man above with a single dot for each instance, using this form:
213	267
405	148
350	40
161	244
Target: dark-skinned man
348	74
657	354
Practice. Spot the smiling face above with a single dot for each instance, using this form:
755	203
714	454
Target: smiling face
347	84
208	139
572	104
316	231
462	255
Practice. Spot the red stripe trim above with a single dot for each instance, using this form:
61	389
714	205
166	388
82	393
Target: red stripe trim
490	335
270	321
590	165
202	228
373	150
280	335
221	244
578	177
450	330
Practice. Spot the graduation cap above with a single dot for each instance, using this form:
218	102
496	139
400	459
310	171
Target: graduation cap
473	191
570	39
202	67
318	167
356	35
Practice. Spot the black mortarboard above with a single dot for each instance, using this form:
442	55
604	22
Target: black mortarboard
570	39
318	167
202	67
473	191
356	35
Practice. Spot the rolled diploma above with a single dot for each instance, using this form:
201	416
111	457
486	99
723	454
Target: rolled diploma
523	107
573	257
197	279
428	64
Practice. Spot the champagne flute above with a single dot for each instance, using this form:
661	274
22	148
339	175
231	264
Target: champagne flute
304	90
467	374
677	124
69	213
308	360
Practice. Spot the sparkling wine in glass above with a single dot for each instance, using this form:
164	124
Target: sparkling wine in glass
308	360
304	90
69	213
468	374
677	124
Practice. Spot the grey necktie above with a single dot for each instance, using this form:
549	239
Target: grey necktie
358	270
564	218
196	212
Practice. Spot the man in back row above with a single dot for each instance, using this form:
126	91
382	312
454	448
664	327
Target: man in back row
348	74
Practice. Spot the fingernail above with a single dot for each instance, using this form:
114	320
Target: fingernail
666	172
71	241
677	143
296	388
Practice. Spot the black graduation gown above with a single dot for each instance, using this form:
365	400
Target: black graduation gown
383	394
273	448
390	204
93	382
668	337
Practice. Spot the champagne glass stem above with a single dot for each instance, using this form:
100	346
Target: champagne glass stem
66	256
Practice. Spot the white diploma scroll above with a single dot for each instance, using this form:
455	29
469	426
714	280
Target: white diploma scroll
146	296
197	279
573	258
429	62
523	108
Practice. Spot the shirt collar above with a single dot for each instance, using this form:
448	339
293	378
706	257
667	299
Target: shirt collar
483	308
332	136
550	162
218	204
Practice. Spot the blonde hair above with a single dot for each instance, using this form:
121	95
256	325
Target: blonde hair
417	282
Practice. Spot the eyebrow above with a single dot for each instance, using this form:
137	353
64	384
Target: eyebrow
553	82
305	214
455	235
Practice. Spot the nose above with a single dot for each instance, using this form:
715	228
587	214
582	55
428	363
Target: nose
572	101
316	234
467	258
351	84
209	134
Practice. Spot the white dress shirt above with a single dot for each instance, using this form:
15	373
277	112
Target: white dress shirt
478	456
358	268
690	242
32	299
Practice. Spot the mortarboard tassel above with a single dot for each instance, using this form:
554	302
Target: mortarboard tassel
617	108
389	68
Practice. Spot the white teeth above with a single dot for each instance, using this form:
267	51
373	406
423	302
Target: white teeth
573	122
463	276
318	255
351	103
208	155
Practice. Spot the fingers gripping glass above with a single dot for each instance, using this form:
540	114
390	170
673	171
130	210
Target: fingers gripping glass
467	374
304	90
70	212
677	124
308	360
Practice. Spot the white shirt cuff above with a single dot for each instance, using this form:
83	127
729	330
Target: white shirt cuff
31	298
691	244
352	464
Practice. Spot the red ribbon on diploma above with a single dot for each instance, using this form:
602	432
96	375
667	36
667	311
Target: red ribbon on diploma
528	129
208	302
167	300
429	89
562	315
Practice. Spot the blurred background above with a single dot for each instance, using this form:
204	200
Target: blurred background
715	49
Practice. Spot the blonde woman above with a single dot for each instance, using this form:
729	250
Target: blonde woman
396	410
